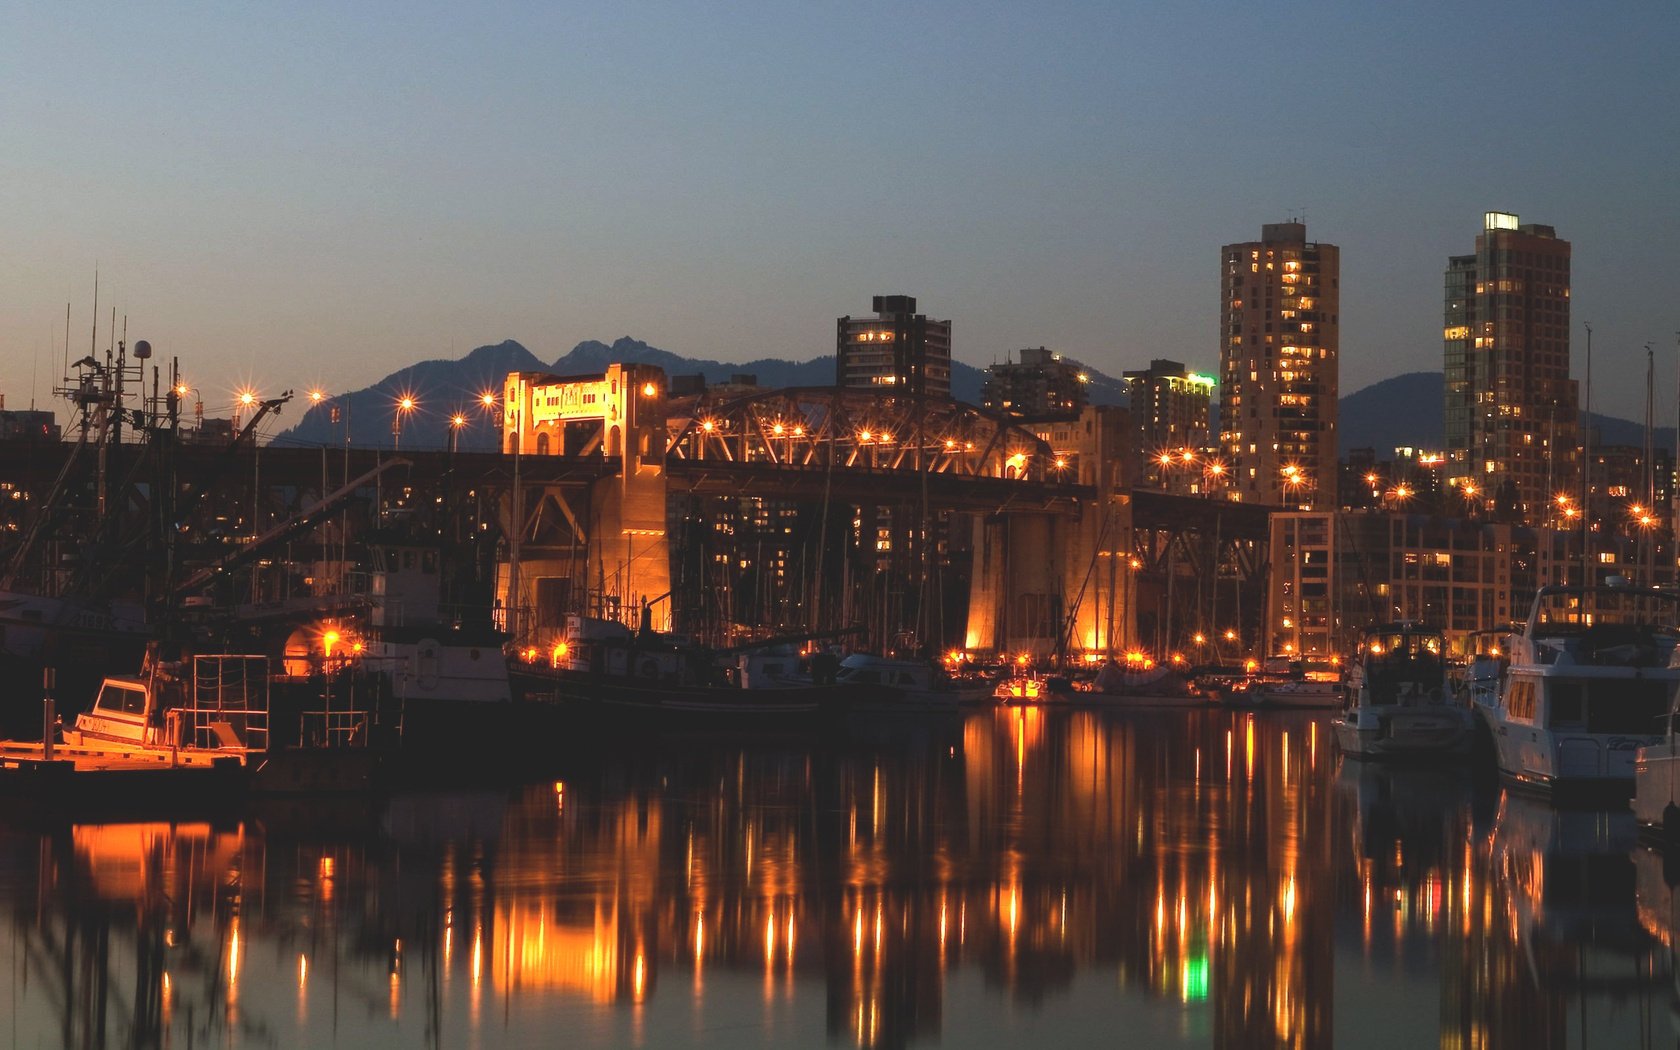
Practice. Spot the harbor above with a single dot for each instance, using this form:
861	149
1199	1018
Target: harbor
1025	875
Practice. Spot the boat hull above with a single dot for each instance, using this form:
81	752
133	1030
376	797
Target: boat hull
1388	733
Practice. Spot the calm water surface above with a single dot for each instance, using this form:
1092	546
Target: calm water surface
1023	878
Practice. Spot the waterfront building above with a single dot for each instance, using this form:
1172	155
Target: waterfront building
1170	410
1039	385
1511	407
1335	573
1411	480
898	349
1280	342
28	425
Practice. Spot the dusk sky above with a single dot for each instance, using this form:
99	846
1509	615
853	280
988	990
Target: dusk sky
323	193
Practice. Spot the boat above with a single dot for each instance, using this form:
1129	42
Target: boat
1398	701
1312	693
1590	682
1656	786
1488	656
1114	688
907	686
600	670
185	728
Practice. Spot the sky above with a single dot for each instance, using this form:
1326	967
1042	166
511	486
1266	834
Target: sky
319	194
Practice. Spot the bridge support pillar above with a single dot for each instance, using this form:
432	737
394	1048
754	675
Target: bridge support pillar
629	552
1042	580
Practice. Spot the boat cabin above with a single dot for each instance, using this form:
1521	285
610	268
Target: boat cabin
1597	660
1401	665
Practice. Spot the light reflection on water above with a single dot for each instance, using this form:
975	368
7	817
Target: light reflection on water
1208	879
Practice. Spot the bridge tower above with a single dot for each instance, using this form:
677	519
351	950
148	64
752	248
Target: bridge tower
619	415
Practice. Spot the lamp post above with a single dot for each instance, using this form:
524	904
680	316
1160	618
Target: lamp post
516	511
405	405
1212	474
1470	492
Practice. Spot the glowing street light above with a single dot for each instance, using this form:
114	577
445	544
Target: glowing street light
405	405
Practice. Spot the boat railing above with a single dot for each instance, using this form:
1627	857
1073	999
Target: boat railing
333	729
228	707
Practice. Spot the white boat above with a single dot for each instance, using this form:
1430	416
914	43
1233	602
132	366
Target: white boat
1398	702
908	685
1656	785
1313	693
1591	681
223	706
1489	656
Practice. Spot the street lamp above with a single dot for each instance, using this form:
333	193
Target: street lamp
456	422
1212	474
405	405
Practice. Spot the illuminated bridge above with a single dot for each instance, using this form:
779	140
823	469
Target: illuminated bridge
743	513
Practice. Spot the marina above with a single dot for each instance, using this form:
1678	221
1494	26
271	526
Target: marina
1024	875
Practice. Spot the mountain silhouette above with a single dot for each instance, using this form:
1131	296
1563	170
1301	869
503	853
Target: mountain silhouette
441	388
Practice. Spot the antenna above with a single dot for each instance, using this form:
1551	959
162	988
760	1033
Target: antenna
93	339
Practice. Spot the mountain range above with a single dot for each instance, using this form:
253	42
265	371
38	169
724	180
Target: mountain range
1409	410
1403	410
441	388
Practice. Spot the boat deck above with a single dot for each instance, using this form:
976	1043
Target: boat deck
110	756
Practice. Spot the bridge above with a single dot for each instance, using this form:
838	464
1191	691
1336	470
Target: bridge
731	513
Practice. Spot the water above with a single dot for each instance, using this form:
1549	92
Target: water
1023	878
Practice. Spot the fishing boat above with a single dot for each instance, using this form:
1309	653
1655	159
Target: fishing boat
1590	682
1398	702
185	728
600	670
906	686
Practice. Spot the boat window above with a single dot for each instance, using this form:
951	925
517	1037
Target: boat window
1568	704
1637	707
122	700
905	678
865	677
1521	702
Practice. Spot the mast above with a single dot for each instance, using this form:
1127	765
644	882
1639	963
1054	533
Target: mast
1586	469
1648	540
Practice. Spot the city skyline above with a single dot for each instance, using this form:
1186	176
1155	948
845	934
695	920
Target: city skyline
325	201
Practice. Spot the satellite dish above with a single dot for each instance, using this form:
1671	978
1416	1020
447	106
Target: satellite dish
142	350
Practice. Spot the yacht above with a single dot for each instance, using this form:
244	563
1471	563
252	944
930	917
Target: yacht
1589	683
1398	702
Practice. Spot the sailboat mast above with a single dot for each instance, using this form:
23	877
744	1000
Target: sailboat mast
1586	470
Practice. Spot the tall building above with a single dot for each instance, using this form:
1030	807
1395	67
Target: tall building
1041	386
1280	339
896	350
1510	404
1170	409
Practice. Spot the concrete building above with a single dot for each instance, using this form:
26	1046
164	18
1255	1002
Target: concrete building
1039	385
1280	342
1170	410
1334	574
897	350
1510	407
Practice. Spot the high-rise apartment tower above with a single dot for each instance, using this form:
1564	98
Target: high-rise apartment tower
897	350
1280	338
1510	404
